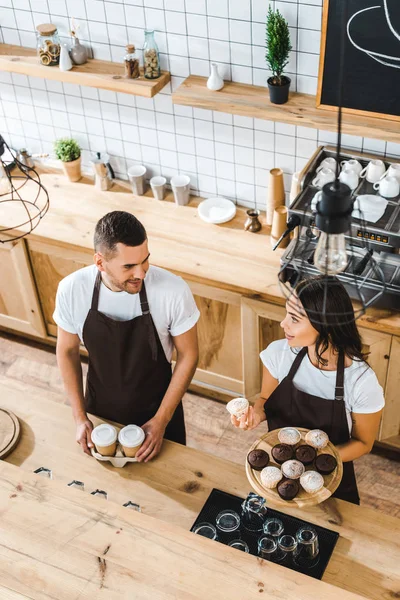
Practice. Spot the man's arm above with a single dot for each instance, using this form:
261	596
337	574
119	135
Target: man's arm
187	351
69	362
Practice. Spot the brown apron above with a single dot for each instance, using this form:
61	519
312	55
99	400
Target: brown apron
128	371
288	406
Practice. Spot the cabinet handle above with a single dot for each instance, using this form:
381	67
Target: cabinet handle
386	356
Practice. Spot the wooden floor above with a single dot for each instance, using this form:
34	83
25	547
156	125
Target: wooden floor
207	421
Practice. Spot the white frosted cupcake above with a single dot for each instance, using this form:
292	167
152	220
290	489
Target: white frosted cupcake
292	469
317	438
312	482
270	477
238	407
289	435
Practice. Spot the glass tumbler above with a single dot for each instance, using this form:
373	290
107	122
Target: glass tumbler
206	530
228	524
239	545
287	546
307	551
268	548
274	528
254	511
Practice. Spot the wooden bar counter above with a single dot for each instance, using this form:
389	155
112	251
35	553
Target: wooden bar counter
58	542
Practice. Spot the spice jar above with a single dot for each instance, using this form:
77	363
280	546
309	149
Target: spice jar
151	56
48	44
131	63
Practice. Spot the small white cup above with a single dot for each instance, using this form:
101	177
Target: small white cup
157	185
352	164
393	171
181	188
324	176
315	201
349	177
373	171
327	163
136	176
389	187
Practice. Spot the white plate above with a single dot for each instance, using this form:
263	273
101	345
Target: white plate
116	461
216	210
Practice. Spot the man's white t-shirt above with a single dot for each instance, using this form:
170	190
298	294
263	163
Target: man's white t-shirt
171	303
362	392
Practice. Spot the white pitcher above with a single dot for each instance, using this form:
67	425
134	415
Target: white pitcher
65	59
215	81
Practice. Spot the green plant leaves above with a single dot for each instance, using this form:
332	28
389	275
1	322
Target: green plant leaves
278	43
67	149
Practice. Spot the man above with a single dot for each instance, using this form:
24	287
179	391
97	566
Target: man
130	316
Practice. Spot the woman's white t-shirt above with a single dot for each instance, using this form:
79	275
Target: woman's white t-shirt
362	392
171	303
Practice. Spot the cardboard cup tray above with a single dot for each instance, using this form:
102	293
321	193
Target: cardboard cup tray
119	460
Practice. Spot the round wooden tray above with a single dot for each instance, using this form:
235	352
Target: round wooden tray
10	432
303	499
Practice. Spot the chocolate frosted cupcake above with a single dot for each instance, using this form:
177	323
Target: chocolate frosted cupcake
288	489
258	459
325	464
305	454
282	452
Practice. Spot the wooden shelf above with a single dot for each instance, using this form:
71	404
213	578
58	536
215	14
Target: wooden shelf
101	74
253	101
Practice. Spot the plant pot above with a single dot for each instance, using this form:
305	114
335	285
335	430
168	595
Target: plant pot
279	94
72	169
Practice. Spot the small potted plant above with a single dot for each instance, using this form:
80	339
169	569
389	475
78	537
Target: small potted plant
68	151
277	56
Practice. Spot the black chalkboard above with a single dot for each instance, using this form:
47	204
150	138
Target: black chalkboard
371	81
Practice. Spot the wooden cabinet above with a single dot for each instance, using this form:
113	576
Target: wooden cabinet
19	306
390	424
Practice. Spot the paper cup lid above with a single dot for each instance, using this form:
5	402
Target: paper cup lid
131	436
104	435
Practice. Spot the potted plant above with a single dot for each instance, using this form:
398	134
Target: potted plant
68	151
277	56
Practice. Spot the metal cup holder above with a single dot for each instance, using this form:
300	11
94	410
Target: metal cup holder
44	472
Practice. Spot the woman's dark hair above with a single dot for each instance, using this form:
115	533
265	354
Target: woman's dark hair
336	324
118	227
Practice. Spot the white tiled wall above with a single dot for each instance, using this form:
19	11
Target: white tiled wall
223	154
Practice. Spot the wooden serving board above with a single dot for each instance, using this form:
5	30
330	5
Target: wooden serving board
10	432
303	499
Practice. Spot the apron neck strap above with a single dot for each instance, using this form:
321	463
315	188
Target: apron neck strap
339	389
144	305
296	363
96	291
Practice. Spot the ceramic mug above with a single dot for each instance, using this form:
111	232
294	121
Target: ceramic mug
315	201
352	164
324	176
373	171
393	171
349	177
389	187
327	163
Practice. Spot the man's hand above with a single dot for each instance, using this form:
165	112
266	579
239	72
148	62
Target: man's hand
83	434
154	430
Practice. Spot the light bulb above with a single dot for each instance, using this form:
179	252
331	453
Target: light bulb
330	254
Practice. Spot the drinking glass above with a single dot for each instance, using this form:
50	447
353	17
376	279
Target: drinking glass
228	524
206	530
306	553
268	548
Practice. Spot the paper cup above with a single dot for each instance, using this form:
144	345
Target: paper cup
157	185
136	176
181	188
104	437
131	438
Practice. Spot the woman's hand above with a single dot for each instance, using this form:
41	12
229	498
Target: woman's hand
250	420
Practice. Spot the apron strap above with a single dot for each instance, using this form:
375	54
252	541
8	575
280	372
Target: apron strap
144	305
96	291
339	389
296	363
340	430
151	328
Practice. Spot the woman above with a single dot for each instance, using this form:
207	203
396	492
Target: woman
318	378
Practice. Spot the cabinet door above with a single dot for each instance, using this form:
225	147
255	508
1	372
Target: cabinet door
390	425
19	305
51	263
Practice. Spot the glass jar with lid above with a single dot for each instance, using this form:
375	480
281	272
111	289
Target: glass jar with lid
48	44
131	62
151	57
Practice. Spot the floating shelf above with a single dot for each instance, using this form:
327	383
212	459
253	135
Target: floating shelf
253	101
101	74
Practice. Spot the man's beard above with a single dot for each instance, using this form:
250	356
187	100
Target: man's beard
125	286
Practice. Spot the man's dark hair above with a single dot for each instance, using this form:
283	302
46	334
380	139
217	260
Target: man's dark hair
118	227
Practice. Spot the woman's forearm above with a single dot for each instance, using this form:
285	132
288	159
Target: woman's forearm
352	450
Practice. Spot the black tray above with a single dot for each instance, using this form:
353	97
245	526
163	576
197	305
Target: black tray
219	500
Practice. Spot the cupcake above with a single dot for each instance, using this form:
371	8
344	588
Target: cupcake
289	435
281	453
288	489
305	454
270	477
292	469
325	464
237	407
317	438
258	459
312	482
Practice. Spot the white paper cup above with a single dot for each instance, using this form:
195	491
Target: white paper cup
136	176
181	188
104	437
131	438
157	185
